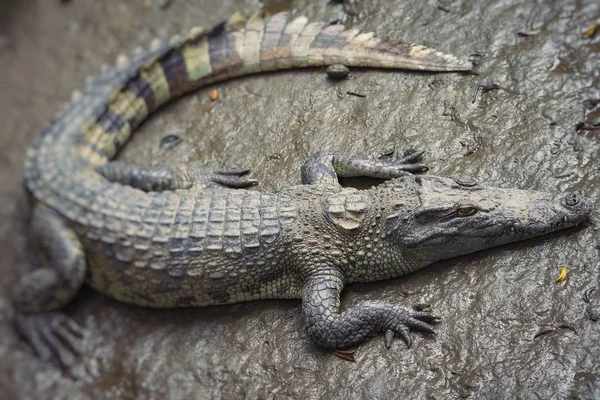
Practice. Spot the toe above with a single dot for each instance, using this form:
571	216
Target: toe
389	338
419	325
68	338
233	172
28	330
73	327
415	167
51	334
40	347
426	316
404	333
422	306
64	354
411	157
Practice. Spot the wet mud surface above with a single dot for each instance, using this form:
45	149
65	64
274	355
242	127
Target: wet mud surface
509	329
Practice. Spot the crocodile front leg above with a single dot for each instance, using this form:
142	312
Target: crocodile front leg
41	292
324	168
173	177
331	329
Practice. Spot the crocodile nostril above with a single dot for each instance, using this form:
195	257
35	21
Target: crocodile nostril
572	200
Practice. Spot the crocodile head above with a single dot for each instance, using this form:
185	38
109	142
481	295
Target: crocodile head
451	217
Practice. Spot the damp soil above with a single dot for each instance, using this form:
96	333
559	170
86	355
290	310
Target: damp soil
528	119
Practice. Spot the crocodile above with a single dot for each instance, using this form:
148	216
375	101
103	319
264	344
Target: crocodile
184	235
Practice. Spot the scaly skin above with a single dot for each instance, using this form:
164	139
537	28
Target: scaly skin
180	236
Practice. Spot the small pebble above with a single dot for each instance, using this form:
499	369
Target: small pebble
337	71
169	142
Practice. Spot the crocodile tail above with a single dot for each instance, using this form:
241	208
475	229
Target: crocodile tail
98	122
239	47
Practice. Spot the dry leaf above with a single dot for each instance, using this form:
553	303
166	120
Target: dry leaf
529	32
563	274
590	31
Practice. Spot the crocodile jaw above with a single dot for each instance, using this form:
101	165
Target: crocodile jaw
436	229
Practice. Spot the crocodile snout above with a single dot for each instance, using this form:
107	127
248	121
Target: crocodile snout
575	207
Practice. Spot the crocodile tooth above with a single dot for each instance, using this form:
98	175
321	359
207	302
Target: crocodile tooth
76	96
175	39
155	44
138	51
565	219
122	61
196	31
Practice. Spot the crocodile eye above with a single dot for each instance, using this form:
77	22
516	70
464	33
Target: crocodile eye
465	211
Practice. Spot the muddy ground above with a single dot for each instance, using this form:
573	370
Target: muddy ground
509	329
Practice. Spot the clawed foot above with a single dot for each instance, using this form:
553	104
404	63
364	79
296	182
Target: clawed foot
400	323
234	178
407	161
51	334
405	321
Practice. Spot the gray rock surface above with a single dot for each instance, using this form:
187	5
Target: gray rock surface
509	330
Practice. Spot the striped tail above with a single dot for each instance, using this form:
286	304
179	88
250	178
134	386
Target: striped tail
240	47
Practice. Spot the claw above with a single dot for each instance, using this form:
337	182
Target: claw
422	306
420	325
411	156
41	348
405	163
389	337
74	327
65	355
233	172
387	153
67	337
414	167
404	333
426	316
236	178
405	321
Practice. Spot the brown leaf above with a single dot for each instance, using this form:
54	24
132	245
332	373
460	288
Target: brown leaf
529	32
590	31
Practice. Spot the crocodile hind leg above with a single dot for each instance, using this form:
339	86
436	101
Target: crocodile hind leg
174	177
332	329
41	292
326	167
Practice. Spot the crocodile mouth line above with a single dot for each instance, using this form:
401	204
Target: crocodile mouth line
512	230
524	230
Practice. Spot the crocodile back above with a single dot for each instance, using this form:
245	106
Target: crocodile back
216	241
